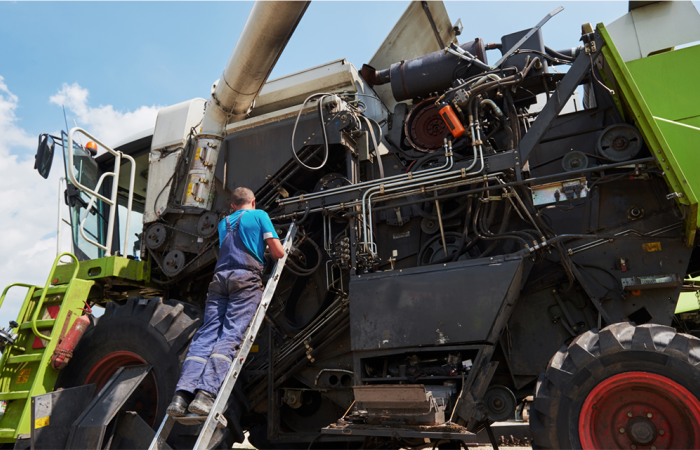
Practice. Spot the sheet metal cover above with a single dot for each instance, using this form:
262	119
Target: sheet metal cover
428	305
404	396
89	429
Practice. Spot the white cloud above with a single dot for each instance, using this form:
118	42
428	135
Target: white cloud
104	122
28	203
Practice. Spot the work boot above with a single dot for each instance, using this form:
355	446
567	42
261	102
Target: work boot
202	403
178	406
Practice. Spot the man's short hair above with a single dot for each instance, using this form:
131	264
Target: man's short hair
242	196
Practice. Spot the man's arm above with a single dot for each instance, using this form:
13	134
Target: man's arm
276	249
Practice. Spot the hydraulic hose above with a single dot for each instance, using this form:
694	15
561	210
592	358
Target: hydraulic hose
501	229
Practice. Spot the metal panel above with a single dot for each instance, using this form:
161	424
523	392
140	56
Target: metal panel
291	90
88	431
655	27
55	412
132	432
457	302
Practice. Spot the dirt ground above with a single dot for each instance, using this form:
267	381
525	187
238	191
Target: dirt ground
247	446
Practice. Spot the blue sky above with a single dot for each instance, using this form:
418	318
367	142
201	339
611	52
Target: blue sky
114	64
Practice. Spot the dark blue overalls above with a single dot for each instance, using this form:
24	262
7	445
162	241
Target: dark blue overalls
234	295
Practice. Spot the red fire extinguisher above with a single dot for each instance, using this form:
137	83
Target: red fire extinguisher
64	351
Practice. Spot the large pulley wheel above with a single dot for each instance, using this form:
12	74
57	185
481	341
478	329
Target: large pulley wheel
207	224
156	236
424	128
174	262
625	387
620	142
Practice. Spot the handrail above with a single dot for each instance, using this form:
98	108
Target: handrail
35	316
94	194
28	286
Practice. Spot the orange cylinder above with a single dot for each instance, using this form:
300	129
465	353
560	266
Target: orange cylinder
453	123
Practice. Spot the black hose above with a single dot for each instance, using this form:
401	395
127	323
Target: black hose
465	231
558	55
501	229
302	272
303	218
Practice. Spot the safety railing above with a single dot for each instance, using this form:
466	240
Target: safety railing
40	303
31	288
95	195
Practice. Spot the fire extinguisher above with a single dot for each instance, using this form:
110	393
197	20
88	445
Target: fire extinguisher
64	351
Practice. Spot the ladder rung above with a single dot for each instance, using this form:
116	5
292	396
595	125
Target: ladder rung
24	358
16	395
191	419
39	324
53	290
7	433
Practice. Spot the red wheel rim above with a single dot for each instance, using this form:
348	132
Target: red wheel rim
639	410
144	400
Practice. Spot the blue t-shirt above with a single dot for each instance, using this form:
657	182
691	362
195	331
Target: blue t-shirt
254	228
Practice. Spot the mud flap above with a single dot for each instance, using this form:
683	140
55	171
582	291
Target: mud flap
97	425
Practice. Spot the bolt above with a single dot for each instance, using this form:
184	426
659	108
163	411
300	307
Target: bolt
633	447
629	414
661	432
622	430
650	415
653	447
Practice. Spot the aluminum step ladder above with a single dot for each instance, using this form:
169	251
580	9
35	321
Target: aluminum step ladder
216	415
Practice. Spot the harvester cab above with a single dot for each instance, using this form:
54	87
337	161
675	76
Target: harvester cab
468	242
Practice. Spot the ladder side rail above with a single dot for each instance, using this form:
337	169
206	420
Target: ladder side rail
40	303
112	202
245	346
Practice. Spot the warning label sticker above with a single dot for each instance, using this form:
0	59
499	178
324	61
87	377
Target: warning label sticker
23	375
652	247
38	423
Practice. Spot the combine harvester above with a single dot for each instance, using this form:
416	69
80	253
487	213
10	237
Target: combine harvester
455	247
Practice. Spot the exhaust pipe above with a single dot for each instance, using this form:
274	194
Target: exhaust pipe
264	37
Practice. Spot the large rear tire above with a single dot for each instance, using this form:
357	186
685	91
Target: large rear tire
623	387
146	331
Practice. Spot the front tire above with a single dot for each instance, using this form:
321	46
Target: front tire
625	387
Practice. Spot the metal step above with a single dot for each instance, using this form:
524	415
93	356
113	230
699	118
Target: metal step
216	418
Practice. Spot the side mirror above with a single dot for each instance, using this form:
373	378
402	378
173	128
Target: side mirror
44	155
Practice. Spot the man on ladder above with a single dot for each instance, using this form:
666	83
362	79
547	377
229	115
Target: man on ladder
233	297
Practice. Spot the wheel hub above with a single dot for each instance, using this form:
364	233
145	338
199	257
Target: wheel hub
636	410
620	143
641	430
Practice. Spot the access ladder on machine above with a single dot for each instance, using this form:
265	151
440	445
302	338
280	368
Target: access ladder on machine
25	368
216	416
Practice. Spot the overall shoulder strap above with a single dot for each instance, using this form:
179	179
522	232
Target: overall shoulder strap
238	222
